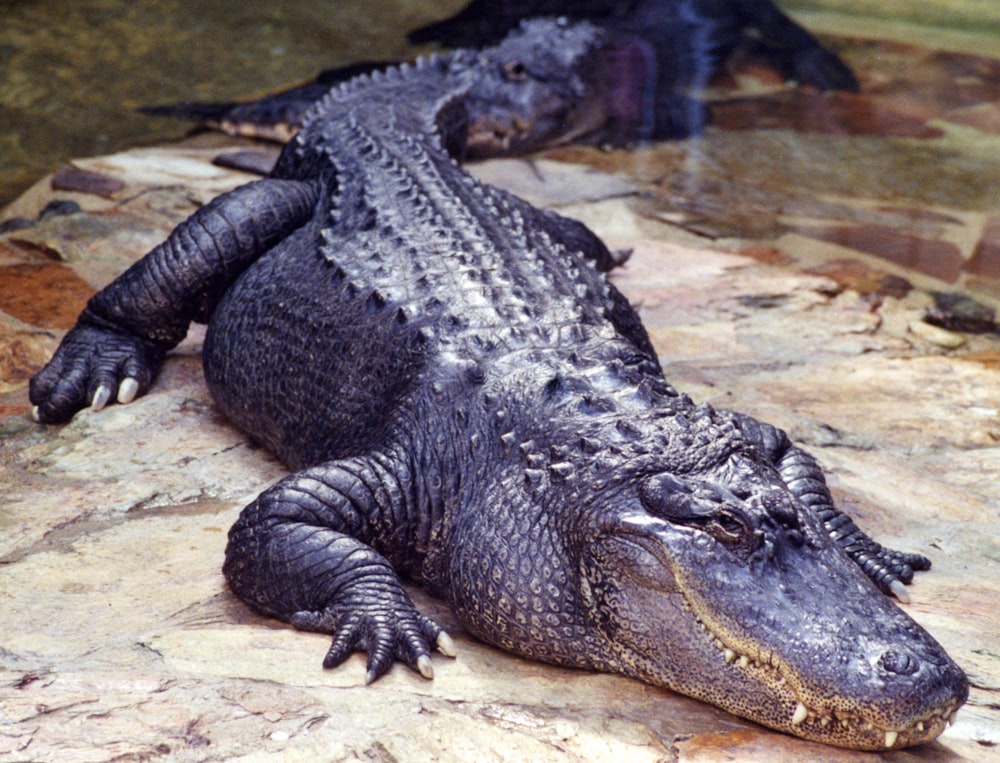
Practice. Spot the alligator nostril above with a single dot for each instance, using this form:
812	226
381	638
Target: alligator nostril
898	662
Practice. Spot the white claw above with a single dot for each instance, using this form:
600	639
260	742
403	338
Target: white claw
890	738
127	390
800	714
425	667
34	413
899	591
101	397
445	645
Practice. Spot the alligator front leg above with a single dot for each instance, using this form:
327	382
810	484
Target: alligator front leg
888	569
126	329
303	552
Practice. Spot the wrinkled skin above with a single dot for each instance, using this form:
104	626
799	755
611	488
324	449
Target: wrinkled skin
468	402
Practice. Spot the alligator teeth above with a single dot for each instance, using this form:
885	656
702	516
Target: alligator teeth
730	655
920	726
800	714
890	738
744	661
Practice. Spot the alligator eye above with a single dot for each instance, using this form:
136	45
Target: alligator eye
515	71
729	526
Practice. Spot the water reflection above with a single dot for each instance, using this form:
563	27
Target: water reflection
905	171
71	74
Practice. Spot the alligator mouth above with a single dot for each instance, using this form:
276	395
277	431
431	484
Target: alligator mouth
806	718
489	138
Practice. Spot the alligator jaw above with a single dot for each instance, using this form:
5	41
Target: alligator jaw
833	661
807	719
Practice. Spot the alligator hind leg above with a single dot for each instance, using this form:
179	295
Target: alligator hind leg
304	552
888	569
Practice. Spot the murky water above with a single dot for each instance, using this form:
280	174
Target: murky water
925	134
71	74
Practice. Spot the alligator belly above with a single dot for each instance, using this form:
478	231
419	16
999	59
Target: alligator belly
304	362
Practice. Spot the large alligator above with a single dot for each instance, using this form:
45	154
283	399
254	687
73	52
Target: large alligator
469	403
665	53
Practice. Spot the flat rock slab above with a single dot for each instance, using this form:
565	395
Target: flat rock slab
120	639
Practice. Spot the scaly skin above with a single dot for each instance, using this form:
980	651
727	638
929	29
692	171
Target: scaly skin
468	402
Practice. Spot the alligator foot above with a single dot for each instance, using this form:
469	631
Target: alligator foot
387	632
890	570
92	367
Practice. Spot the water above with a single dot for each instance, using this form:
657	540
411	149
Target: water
909	170
72	73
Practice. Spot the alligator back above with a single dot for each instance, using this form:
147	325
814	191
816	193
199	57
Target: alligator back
410	270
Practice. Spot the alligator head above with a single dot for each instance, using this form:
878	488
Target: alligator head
545	84
711	578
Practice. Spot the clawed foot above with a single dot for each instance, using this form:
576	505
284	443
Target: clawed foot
890	570
385	633
91	367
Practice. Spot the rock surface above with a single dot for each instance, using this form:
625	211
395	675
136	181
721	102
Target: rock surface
120	639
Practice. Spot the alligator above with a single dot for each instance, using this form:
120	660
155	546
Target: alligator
665	53
679	46
466	401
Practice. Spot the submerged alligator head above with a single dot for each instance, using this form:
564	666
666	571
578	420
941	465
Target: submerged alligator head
561	90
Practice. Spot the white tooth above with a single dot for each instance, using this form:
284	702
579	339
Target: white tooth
951	718
824	722
34	413
920	726
730	655
800	714
890	738
744	661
